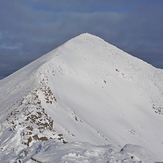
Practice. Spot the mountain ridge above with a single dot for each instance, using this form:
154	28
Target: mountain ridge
59	95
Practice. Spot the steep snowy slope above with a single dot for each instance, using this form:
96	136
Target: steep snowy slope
85	90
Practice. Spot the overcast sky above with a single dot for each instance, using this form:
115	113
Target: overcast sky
31	28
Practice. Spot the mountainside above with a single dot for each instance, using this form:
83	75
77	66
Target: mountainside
86	90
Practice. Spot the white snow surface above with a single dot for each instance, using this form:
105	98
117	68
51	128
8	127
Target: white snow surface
71	104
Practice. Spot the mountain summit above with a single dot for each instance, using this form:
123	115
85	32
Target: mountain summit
86	90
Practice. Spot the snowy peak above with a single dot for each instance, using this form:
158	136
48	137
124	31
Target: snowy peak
86	36
85	90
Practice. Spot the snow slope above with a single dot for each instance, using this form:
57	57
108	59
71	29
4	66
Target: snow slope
86	90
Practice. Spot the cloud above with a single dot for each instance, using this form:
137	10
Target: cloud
32	28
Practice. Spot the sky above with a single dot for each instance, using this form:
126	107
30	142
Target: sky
31	28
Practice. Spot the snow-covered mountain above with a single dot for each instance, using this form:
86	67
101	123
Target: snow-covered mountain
86	90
